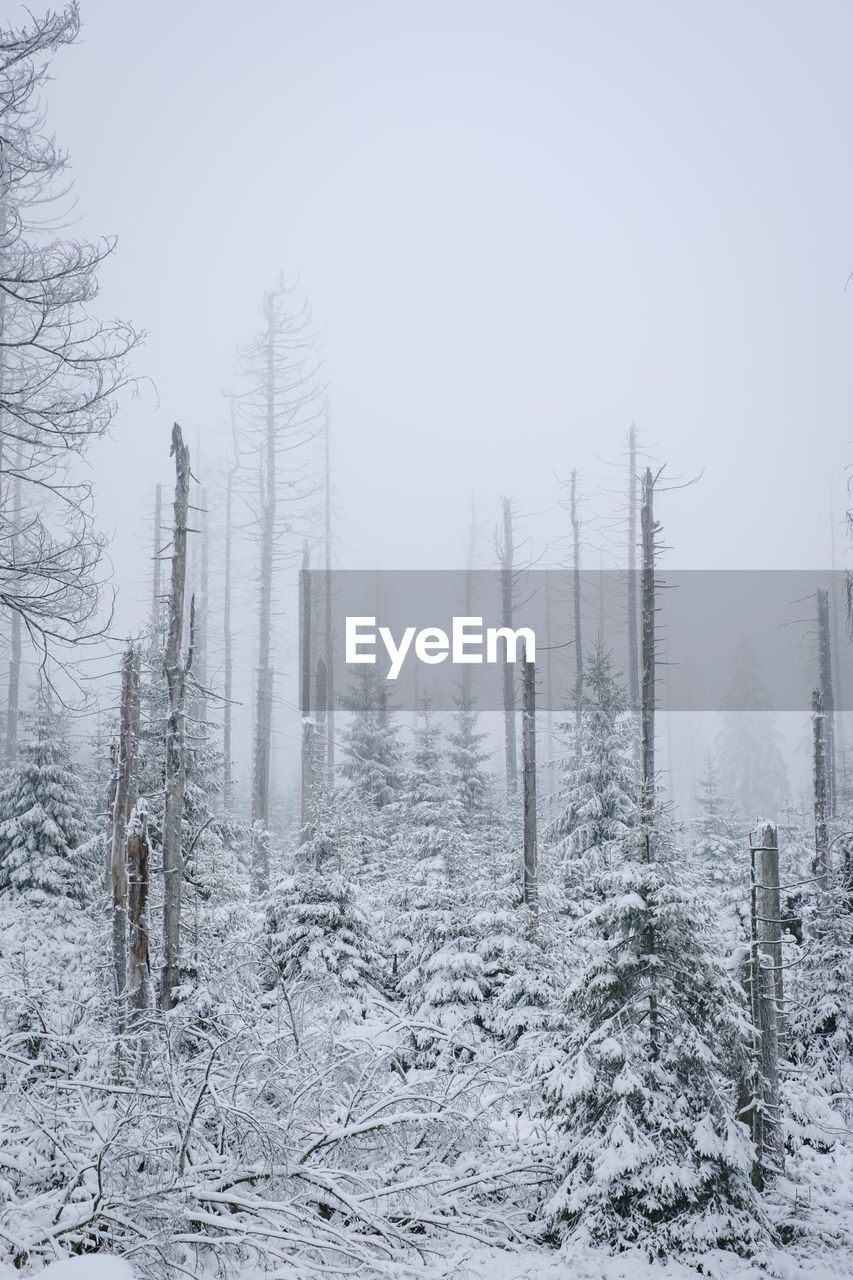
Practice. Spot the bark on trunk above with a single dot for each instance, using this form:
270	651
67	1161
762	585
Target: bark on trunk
770	922
228	674
530	884
176	680
647	717
16	631
828	695
506	562
307	779
156	573
139	979
772	1140
118	832
648	642
633	641
263	717
576	593
821	833
329	717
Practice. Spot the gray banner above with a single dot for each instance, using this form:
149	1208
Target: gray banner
737	640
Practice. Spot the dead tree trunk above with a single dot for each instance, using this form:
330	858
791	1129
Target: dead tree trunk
767	1002
203	609
633	641
118	831
263	710
828	696
772	1145
770	921
16	630
647	718
648	642
176	679
228	672
156	573
139	977
530	882
576	594
819	774
308	727
505	553
329	701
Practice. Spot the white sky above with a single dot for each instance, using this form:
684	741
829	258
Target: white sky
520	225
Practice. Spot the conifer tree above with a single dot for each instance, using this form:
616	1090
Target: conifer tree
723	859
373	763
443	979
44	824
822	1012
598	798
467	756
643	1086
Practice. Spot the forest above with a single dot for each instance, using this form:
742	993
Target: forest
302	978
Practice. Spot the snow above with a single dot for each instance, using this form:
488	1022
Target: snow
94	1267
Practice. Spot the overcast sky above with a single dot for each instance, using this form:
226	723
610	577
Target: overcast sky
520	226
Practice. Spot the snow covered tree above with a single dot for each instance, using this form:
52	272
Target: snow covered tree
373	763
316	932
598	796
723	859
821	1020
442	971
44	824
467	756
642	1087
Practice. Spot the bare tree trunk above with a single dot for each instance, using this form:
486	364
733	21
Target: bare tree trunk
766	997
633	642
176	679
770	922
228	676
549	696
118	832
263	718
821	834
15	638
576	592
203	610
156	574
139	983
828	696
329	717
772	1149
648	641
647	718
530	882
505	551
308	727
836	607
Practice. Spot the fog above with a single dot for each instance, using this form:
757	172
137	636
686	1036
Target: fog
519	227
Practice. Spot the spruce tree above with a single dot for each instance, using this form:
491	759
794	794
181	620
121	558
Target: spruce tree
44	822
373	763
467	757
642	1087
821	1022
442	971
723	859
598	796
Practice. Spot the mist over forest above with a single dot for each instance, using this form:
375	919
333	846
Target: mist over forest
338	333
